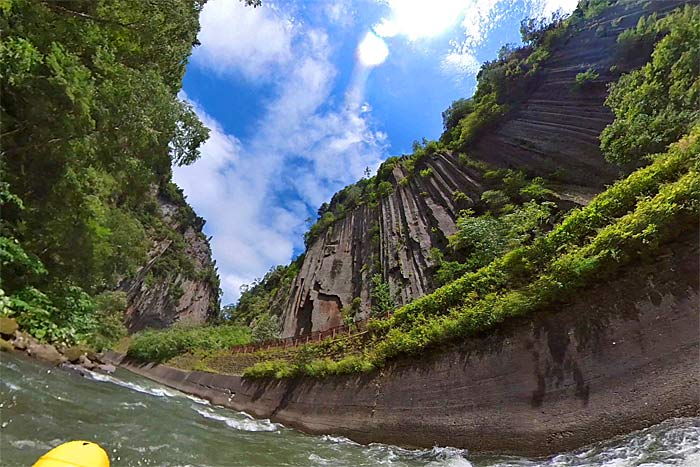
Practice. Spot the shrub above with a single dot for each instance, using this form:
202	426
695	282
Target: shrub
162	345
461	197
384	189
494	199
638	41
535	190
593	8
270	369
486	113
109	312
586	77
265	328
382	298
481	239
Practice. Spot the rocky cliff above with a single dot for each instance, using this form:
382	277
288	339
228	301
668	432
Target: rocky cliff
553	133
396	236
160	295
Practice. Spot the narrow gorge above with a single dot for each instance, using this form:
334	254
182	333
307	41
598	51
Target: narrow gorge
526	284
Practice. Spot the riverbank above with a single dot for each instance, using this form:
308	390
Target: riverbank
620	358
13	340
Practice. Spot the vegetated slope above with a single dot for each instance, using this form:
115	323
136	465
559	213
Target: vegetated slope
531	148
554	133
91	126
626	224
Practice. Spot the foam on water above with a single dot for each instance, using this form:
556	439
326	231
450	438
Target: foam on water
237	424
28	443
198	400
339	440
12	387
153	391
675	442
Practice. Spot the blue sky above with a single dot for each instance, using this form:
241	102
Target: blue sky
302	96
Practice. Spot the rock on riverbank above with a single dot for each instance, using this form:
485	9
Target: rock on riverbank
14	340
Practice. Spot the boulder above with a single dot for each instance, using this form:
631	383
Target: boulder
45	352
85	362
95	357
8	326
107	368
5	346
23	340
74	353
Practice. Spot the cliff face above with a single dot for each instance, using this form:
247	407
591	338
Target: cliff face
395	237
158	297
552	134
555	132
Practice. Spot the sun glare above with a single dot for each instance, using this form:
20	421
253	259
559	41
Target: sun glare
372	50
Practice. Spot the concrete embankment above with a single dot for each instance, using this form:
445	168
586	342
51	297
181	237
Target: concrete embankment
621	356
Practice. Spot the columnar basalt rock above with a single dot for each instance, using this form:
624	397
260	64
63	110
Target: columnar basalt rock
394	238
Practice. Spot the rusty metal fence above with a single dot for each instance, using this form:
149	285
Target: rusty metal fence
358	327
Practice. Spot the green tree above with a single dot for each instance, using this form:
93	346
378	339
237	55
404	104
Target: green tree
658	103
266	328
382	299
91	125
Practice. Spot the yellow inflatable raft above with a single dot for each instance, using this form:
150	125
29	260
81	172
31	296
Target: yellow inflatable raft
74	454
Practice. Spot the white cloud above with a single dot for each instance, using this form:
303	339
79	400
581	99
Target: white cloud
239	39
545	8
462	61
225	187
256	194
418	19
339	12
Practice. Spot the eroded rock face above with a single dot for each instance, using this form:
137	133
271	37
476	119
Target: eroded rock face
394	237
555	133
157	300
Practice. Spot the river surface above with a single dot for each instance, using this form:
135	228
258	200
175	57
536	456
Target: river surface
141	423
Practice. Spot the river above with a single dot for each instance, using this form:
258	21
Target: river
141	423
